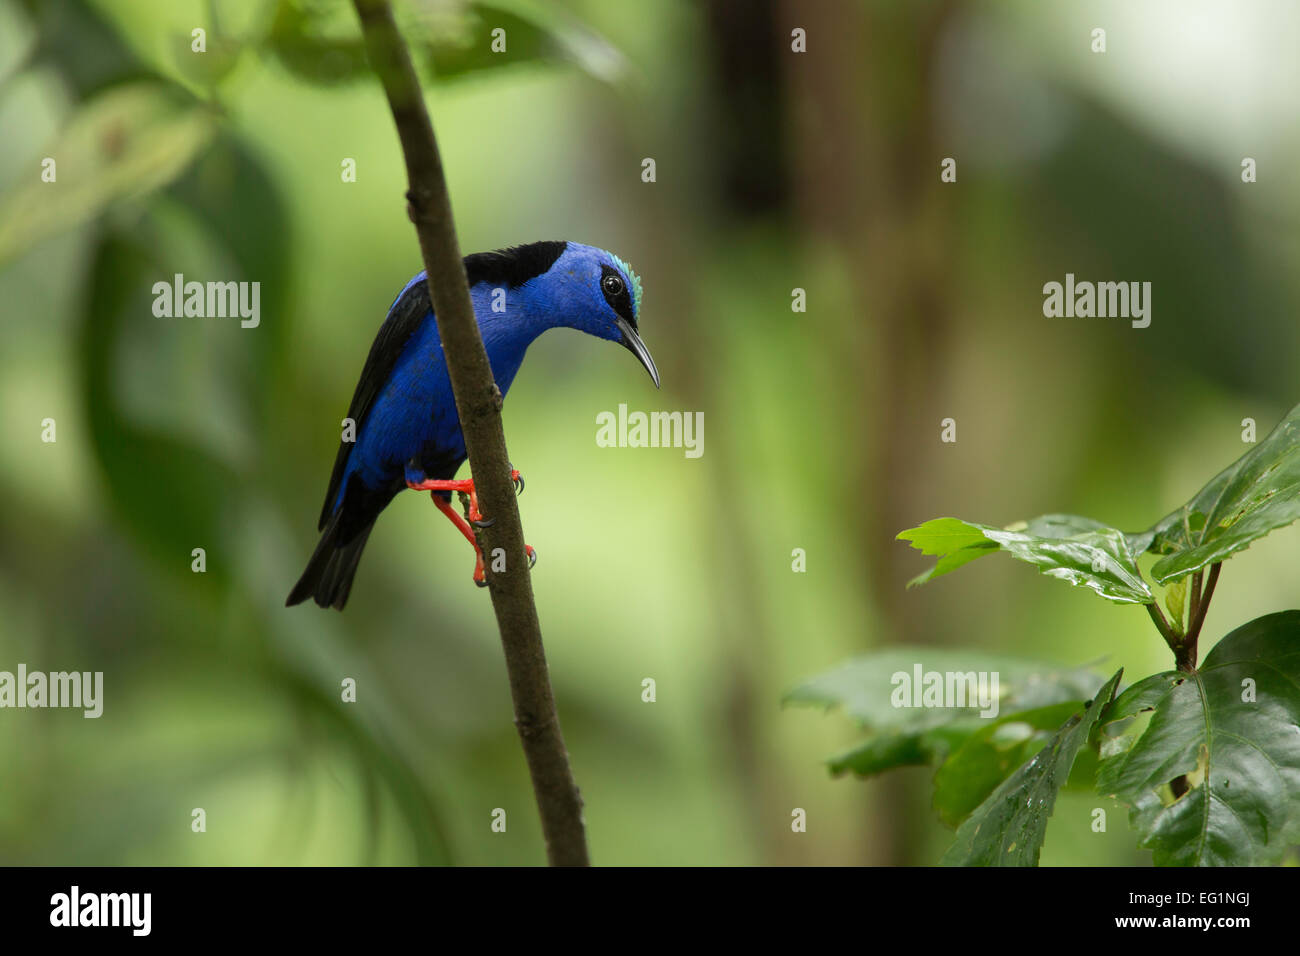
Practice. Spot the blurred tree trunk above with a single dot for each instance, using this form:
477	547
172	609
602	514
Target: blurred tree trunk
866	181
749	176
836	145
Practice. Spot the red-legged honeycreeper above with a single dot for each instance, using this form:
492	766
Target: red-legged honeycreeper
407	429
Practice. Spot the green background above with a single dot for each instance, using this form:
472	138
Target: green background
775	171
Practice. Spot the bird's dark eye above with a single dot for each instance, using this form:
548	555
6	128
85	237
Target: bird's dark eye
612	285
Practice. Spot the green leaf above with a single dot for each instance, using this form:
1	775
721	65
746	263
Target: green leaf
534	33
1258	493
988	756
121	145
321	43
83	46
864	687
1007	829
885	752
1075	549
1241	757
173	494
234	200
891	749
318	43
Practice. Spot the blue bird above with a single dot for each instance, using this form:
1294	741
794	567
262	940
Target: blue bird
407	428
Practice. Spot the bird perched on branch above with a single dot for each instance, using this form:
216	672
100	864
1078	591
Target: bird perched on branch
407	428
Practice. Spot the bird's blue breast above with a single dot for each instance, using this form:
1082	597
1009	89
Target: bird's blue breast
414	415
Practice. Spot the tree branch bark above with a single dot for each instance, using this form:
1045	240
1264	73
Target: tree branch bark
478	402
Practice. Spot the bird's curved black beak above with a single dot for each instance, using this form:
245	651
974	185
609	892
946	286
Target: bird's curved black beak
632	342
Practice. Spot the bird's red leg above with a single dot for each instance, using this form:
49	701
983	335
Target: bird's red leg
463	527
466	485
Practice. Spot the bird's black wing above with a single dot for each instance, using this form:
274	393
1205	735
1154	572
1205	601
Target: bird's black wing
403	320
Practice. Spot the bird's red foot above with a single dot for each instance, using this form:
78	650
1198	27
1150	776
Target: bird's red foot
466	485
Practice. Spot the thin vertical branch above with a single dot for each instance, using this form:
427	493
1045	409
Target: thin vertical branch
478	402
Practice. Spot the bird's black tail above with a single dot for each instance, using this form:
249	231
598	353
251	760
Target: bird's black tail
333	565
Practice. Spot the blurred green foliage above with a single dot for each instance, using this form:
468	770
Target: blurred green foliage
775	172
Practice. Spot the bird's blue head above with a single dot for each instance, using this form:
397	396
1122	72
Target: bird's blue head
578	287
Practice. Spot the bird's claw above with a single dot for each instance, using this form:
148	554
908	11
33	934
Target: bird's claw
480	575
473	517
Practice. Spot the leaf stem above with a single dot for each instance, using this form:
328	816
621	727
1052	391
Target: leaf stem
1194	601
1185	654
1162	625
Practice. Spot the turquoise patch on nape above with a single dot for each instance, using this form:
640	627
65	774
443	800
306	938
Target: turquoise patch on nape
634	279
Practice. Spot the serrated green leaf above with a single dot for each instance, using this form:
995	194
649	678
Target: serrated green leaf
863	685
894	748
1072	548
880	753
1258	493
1007	829
906	736
1243	757
991	754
